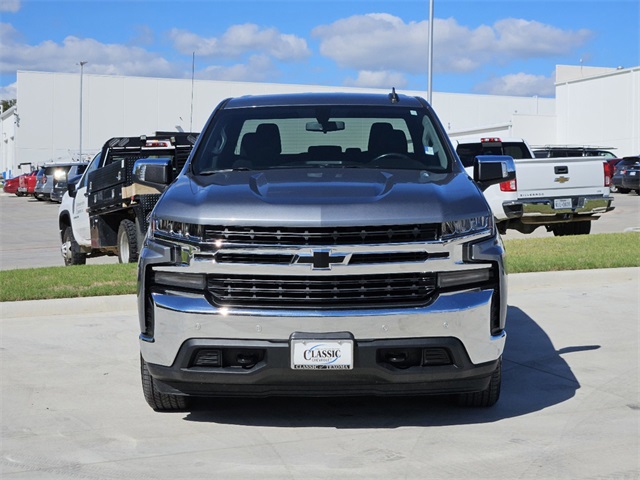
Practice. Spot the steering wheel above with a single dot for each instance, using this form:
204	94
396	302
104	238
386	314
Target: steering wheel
391	155
408	161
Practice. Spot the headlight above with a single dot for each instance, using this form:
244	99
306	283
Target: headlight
463	277
467	226
191	281
174	230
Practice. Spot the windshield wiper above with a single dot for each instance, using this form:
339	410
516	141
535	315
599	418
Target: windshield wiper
224	170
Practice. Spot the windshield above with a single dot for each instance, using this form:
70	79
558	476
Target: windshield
319	137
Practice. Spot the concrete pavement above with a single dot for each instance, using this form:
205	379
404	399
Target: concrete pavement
72	405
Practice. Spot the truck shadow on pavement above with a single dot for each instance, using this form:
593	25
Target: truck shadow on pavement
535	376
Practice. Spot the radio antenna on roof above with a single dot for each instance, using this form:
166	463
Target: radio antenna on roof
393	96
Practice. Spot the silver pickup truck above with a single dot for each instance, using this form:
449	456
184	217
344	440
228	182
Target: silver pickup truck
322	244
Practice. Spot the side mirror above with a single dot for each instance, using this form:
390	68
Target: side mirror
152	172
491	169
72	185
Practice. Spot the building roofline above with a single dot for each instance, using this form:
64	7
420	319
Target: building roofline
10	111
612	73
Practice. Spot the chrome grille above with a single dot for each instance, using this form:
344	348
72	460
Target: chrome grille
326	236
307	292
356	258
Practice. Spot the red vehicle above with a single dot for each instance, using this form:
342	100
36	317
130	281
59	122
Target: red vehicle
27	183
11	185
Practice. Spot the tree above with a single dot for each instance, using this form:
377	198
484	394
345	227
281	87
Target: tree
7	104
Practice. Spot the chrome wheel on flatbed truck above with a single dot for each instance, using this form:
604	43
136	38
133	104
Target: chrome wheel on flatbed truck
70	250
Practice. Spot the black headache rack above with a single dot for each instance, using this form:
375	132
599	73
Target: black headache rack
111	187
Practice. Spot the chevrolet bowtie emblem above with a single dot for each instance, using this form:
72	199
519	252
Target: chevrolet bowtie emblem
561	179
321	259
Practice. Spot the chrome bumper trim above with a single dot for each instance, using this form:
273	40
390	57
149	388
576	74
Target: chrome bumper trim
463	315
583	205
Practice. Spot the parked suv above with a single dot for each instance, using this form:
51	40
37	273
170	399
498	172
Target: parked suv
62	177
631	177
52	173
322	244
619	172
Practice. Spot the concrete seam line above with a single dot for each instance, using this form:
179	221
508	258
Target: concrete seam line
64	306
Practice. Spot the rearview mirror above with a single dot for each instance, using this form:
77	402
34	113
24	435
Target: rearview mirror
324	127
491	169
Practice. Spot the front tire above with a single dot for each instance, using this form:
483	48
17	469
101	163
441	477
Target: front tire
160	402
485	398
128	248
71	250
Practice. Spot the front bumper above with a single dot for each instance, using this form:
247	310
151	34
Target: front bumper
464	316
381	367
393	345
443	348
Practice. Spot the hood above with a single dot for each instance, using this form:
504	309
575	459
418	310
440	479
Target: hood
321	197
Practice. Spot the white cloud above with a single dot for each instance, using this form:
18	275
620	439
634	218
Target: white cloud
9	92
526	39
519	84
143	35
239	40
381	41
120	59
11	6
8	34
258	68
63	57
379	79
376	41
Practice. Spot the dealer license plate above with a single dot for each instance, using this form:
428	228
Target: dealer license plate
311	354
561	203
630	173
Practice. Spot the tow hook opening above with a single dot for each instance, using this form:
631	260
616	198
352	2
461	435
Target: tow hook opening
404	358
244	358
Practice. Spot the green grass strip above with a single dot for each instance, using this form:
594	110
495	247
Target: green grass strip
581	252
67	282
576	252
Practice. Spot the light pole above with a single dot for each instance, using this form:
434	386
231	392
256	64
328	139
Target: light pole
430	61
82	64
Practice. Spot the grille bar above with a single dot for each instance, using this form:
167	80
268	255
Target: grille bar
327	236
323	292
356	258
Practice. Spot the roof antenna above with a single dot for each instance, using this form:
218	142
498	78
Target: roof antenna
393	96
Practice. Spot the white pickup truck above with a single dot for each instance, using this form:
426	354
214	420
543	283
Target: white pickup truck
562	194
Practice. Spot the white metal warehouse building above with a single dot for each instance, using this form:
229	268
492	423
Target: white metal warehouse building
593	106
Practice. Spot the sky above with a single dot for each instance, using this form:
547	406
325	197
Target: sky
501	47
